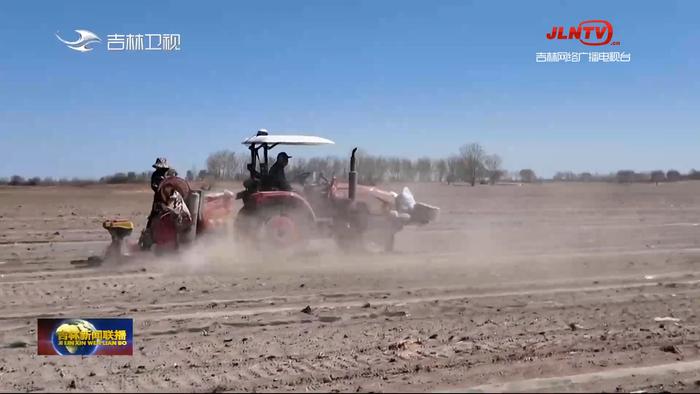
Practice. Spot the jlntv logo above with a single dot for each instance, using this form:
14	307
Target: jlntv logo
594	32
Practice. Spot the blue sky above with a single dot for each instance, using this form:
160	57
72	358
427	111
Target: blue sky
406	78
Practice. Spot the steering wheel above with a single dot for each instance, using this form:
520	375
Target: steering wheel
301	178
323	178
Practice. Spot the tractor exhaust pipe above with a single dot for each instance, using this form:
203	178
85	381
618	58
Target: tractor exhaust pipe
352	177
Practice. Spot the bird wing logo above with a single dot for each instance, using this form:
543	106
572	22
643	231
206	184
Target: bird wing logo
81	44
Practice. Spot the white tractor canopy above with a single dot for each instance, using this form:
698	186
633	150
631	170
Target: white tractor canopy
286	140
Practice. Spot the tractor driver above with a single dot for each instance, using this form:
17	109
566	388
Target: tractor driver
276	177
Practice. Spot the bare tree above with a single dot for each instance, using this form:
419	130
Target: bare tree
215	164
527	175
371	168
17	180
473	156
441	168
492	164
223	164
673	176
625	176
231	166
455	169
424	167
565	176
408	170
658	176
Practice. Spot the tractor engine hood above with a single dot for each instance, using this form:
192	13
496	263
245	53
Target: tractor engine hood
402	205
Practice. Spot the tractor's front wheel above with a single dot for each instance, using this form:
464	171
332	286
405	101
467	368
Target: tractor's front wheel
389	242
366	242
358	231
350	228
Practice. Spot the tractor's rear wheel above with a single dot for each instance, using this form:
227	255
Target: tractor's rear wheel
282	230
275	228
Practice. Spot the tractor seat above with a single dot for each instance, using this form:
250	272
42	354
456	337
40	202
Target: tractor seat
251	184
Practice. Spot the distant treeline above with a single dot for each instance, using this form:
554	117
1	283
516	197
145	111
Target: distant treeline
471	164
627	176
118	178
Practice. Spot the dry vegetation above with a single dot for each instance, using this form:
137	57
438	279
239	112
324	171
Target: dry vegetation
472	165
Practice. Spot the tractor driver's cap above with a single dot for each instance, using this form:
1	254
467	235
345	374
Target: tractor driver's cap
283	155
161	162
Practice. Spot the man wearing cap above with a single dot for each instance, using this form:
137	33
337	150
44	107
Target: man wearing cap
276	178
162	171
162	167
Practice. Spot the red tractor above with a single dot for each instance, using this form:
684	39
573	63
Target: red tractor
350	213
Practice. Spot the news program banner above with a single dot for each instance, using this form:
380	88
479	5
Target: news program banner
85	337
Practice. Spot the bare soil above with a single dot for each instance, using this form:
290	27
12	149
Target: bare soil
545	287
